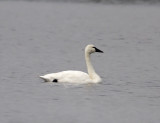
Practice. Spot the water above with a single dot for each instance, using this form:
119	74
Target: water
99	1
39	38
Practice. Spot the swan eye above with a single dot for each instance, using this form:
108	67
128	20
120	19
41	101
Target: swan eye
94	48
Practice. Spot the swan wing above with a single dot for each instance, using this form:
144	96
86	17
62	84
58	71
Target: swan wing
69	76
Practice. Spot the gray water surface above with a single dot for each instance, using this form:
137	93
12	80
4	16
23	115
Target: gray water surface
39	38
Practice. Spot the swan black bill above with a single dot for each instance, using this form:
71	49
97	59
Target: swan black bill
98	50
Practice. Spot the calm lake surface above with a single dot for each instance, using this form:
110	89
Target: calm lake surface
44	37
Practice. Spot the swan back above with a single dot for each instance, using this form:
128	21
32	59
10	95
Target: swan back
69	76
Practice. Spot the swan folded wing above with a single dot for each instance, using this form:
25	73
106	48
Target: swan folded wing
73	77
69	76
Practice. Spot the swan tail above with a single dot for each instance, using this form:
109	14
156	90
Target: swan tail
44	78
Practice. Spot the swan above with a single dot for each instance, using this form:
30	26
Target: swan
71	76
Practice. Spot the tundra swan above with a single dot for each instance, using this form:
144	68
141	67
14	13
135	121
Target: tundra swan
71	76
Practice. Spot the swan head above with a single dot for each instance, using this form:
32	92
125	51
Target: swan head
92	49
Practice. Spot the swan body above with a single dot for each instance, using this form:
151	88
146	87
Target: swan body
72	76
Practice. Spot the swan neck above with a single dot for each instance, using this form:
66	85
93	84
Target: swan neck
90	68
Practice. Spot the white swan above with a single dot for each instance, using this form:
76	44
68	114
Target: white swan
71	76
